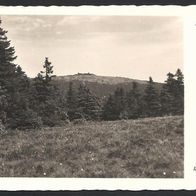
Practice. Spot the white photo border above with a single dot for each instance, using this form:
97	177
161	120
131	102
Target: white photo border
188	182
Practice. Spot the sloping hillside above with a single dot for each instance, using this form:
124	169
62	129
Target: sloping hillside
151	147
87	77
101	86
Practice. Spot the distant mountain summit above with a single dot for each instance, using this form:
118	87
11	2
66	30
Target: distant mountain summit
89	77
101	86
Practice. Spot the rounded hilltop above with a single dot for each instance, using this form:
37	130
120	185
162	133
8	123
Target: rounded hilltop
90	77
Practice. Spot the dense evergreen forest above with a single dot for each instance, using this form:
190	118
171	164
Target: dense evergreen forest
35	102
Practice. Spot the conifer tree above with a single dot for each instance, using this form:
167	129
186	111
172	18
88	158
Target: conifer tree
134	104
115	106
166	99
81	102
167	95
120	103
14	83
47	73
88	106
3	106
71	102
151	100
93	108
24	116
172	94
179	92
45	94
7	56
43	82
109	112
7	68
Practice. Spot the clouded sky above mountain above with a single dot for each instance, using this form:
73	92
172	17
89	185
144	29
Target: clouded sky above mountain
129	46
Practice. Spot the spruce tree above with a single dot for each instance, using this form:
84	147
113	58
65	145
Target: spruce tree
81	102
7	70
93	108
166	99
134	104
115	106
167	95
88	106
120	103
7	56
179	92
151	100
109	109
48	71
45	96
43	82
172	94
3	106
14	85
71	102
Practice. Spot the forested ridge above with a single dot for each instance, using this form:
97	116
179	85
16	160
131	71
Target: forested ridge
35	102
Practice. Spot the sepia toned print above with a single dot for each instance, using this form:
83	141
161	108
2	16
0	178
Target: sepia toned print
91	96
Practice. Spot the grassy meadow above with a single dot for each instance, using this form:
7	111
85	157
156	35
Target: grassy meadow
142	148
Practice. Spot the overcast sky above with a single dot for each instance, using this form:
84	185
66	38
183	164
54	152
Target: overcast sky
128	46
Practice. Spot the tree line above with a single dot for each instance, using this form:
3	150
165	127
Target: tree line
150	103
132	104
32	103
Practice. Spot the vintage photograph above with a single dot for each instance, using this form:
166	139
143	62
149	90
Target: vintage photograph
91	96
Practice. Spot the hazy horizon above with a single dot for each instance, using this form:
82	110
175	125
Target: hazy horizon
124	46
